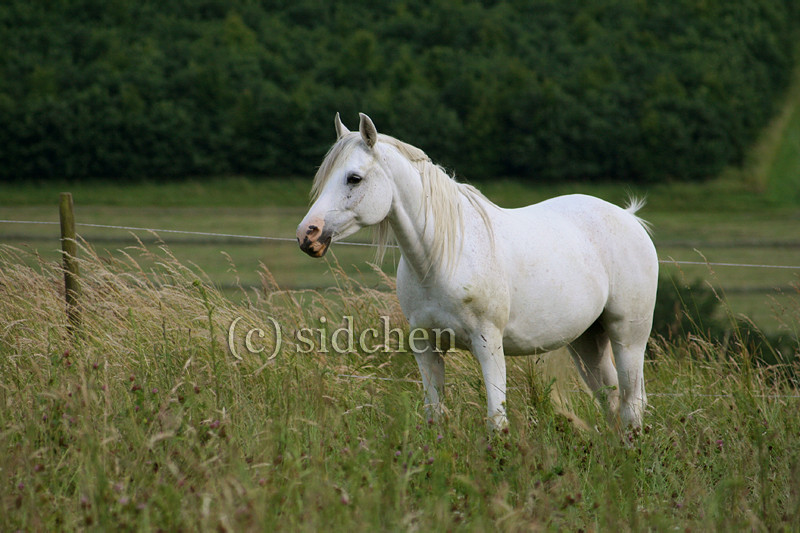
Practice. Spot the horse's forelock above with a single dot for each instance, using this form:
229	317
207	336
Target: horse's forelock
341	148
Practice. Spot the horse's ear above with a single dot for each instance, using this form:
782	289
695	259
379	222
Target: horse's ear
368	131
341	129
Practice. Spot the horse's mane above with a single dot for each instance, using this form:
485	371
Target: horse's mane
441	194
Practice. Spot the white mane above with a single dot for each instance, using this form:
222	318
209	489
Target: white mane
441	199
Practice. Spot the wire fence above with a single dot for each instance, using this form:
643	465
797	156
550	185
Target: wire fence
157	231
350	243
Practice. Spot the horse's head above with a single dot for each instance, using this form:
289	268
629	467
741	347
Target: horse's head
351	190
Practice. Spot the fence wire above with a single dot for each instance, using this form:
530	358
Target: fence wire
357	377
350	243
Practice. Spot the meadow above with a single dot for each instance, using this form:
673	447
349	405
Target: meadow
144	419
151	416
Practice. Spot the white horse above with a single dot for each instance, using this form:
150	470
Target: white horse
571	271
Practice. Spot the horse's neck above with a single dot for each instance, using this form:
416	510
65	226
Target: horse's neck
407	216
410	220
408	227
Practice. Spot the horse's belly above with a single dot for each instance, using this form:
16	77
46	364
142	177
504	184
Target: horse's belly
530	340
554	315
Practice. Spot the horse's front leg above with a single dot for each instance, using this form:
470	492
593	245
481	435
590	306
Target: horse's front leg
487	347
431	367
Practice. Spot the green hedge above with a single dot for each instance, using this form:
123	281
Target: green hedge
545	90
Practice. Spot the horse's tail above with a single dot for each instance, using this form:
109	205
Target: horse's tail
634	205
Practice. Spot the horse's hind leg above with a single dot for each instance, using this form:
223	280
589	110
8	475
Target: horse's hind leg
628	341
592	355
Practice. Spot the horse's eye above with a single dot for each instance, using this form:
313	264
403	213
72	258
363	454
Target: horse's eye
353	179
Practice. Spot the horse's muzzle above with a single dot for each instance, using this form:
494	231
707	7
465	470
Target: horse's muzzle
313	240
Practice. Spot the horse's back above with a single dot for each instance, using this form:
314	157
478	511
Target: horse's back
616	234
607	228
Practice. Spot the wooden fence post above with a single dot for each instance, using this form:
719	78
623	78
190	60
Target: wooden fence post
69	248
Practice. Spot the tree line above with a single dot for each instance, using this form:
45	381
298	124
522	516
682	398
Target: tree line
542	90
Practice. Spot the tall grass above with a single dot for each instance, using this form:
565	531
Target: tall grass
146	420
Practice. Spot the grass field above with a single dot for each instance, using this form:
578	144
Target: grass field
147	420
143	419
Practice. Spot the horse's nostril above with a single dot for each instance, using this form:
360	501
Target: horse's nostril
313	231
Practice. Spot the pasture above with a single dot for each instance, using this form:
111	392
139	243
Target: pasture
146	420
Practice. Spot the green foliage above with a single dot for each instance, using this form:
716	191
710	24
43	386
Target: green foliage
548	90
686	310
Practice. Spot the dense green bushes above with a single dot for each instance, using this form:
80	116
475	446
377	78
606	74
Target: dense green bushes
545	90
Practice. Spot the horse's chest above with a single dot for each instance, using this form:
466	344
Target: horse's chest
460	306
